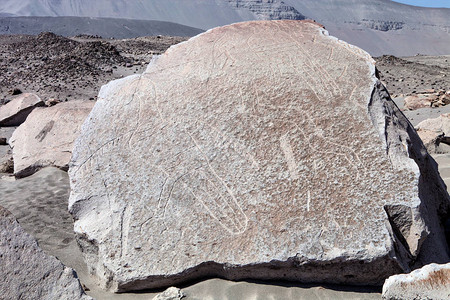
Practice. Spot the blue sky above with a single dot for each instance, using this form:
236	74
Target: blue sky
427	3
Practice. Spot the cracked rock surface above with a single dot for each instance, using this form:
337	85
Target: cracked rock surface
260	150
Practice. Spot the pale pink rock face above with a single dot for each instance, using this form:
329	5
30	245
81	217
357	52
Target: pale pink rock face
430	282
16	111
434	131
264	150
46	137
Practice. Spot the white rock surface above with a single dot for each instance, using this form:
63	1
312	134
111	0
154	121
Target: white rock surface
46	138
16	111
430	282
263	150
171	293
27	272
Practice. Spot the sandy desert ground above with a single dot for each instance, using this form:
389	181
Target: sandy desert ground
68	69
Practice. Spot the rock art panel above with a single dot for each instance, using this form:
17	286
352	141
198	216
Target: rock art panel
27	272
46	137
430	282
263	150
16	111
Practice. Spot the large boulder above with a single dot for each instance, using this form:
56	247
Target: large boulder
27	272
435	131
262	150
46	138
16	111
429	282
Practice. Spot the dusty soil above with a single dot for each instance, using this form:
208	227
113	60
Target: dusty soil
410	75
71	68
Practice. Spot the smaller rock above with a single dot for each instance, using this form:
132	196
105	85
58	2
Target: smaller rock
15	91
427	98
52	101
46	137
16	111
171	293
6	160
414	102
430	282
444	99
6	133
3	141
435	131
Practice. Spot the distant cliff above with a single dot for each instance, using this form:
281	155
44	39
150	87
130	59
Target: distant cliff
378	26
268	9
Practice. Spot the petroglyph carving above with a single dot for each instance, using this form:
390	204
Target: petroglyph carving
241	153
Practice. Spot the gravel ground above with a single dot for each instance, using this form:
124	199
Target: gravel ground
71	68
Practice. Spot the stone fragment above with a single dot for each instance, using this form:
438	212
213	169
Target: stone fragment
260	150
15	91
27	272
414	102
16	111
430	282
6	133
427	98
51	101
435	131
46	138
6	160
171	293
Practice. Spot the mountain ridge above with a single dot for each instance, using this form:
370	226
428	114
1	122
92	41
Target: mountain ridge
105	27
378	26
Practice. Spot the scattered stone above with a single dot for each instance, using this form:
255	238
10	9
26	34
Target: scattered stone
3	141
46	138
428	98
6	132
430	282
15	92
52	101
414	102
435	131
27	272
171	293
6	160
239	154
16	111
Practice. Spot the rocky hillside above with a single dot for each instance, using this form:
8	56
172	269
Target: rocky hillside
105	27
66	69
